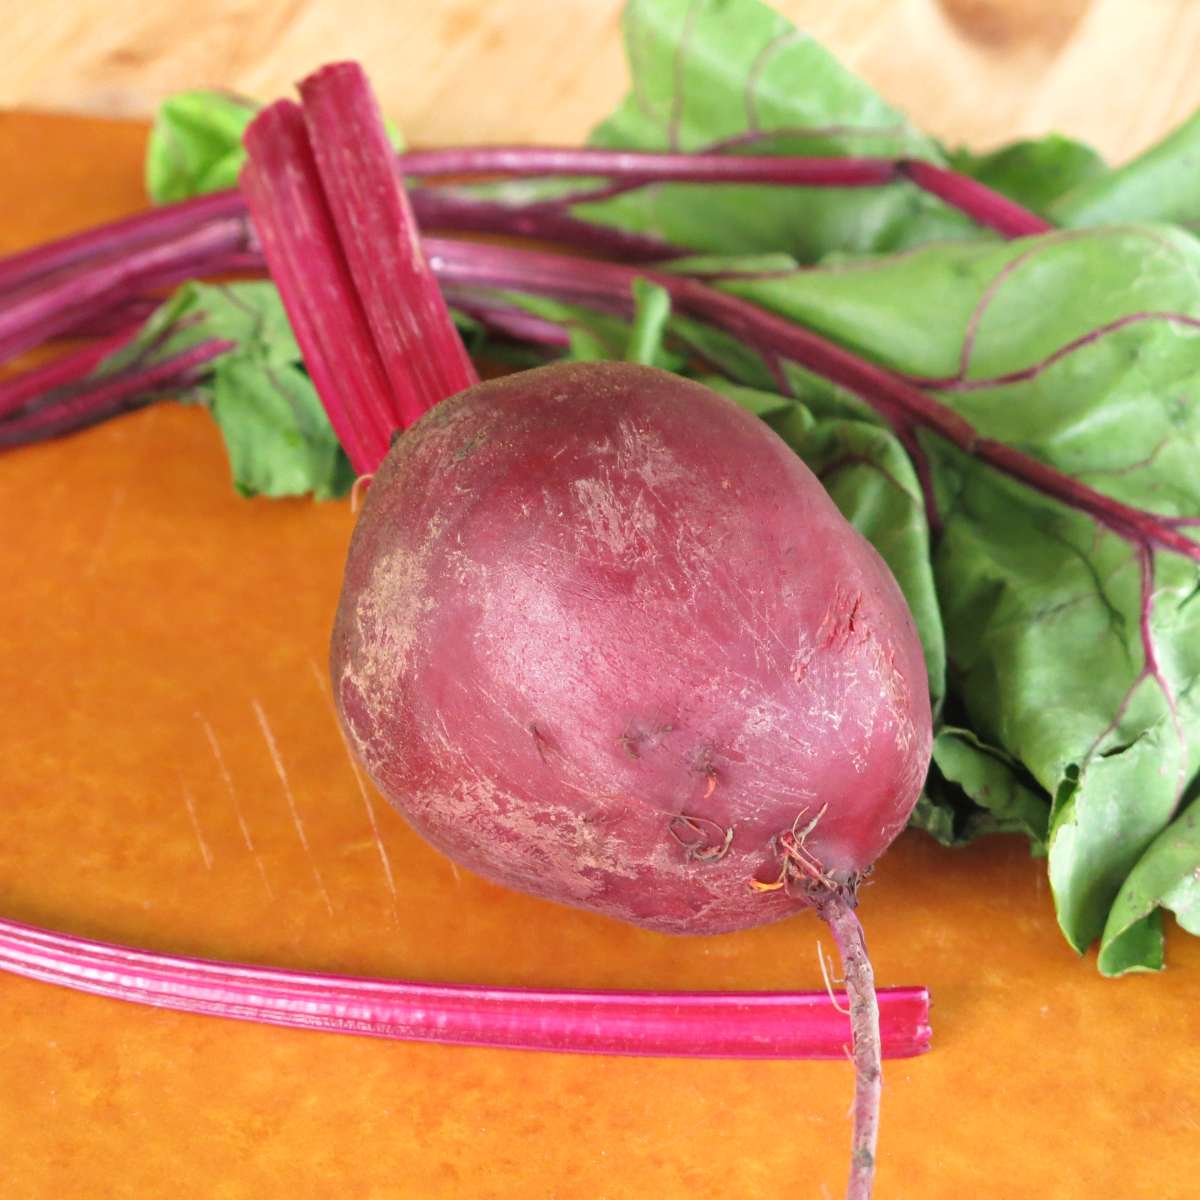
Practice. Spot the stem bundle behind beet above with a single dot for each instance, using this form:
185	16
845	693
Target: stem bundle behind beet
602	637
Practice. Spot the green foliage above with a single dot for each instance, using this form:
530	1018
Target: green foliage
276	433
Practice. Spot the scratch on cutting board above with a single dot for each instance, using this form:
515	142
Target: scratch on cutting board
215	746
189	803
104	532
116	502
384	860
277	759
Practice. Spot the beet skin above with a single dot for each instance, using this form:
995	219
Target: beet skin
603	637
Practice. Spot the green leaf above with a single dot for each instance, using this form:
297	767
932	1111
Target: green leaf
713	74
974	789
652	309
249	313
1003	802
706	71
586	346
195	145
276	433
1042	605
746	368
1166	876
764	404
1161	184
1034	172
938	819
731	355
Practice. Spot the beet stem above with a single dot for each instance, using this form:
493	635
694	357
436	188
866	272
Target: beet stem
510	321
164	223
85	404
290	212
455	211
19	390
53	305
974	199
125	316
837	910
405	311
546	220
903	405
752	1025
901	402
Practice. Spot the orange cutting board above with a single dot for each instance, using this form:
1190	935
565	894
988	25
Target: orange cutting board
152	623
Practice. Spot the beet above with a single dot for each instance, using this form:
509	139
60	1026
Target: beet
604	638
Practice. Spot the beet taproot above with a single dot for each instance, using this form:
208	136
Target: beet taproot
603	637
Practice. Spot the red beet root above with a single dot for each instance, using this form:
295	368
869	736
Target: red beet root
603	637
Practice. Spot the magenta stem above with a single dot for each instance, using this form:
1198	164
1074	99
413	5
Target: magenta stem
975	199
405	311
689	1024
96	401
18	390
56	304
648	167
899	402
299	239
121	317
629	168
453	211
510	321
435	208
125	235
904	405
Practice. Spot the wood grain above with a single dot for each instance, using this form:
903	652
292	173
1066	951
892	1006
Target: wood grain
1117	73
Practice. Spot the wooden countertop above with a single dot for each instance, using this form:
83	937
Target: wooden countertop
147	613
1116	73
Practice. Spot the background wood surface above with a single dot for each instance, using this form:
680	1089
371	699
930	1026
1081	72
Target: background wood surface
1116	73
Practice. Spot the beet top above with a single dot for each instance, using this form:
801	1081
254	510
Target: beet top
604	638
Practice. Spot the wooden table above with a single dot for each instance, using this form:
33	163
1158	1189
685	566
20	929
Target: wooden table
1114	72
148	616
